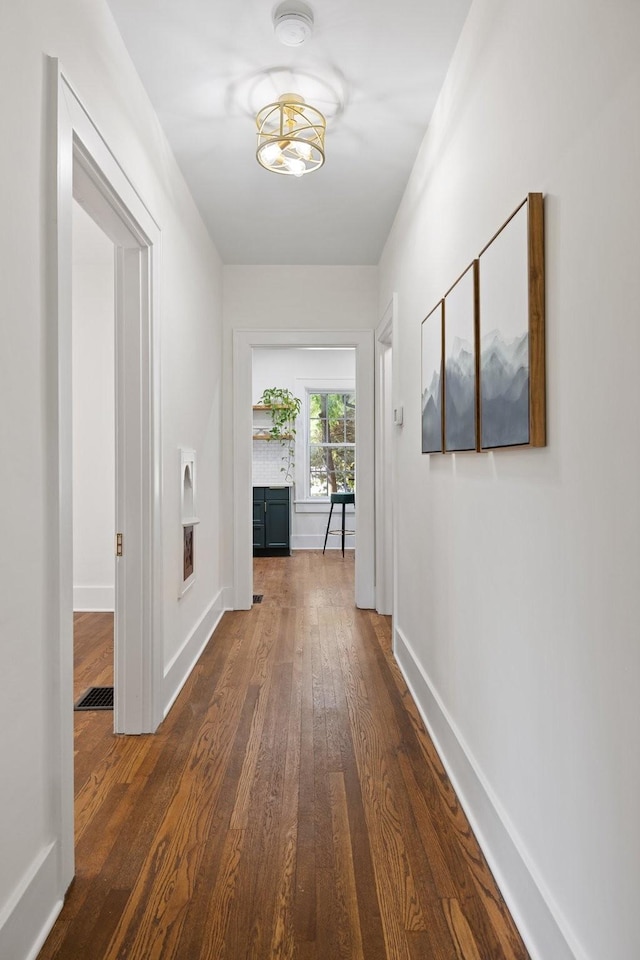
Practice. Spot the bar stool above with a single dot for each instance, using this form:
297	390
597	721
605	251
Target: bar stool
344	499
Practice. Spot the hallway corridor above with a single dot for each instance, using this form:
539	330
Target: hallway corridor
290	806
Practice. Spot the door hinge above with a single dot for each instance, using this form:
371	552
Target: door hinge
118	544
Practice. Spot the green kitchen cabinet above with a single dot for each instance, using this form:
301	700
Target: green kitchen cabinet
271	521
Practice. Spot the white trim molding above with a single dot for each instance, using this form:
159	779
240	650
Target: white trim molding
178	670
306	386
34	906
243	343
83	167
531	908
386	560
86	170
315	541
96	599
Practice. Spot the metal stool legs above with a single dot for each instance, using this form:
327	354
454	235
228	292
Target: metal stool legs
343	499
326	536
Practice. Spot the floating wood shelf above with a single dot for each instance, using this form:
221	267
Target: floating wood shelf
263	428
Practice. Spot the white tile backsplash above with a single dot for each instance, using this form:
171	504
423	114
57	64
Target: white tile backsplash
267	460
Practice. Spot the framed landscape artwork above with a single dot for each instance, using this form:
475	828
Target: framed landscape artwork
511	331
460	363
432	381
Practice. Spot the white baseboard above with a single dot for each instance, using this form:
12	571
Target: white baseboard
26	920
177	672
94	599
531	909
313	541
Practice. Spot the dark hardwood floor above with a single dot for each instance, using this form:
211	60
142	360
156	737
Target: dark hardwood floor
290	806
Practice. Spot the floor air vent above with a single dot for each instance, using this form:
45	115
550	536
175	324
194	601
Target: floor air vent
96	698
257	597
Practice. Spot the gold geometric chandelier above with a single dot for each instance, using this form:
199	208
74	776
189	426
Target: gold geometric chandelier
290	136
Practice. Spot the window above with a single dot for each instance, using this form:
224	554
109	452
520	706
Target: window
332	442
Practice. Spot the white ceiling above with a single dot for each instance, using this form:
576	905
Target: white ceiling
373	67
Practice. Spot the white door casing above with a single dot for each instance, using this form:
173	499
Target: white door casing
243	343
83	167
384	463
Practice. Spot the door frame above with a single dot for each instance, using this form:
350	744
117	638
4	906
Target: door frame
243	343
385	464
83	166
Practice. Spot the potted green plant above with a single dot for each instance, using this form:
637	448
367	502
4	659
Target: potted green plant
284	407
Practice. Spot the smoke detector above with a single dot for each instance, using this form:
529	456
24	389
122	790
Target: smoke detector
293	23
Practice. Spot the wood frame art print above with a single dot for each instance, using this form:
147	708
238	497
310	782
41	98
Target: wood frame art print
432	380
461	363
189	518
188	557
512	331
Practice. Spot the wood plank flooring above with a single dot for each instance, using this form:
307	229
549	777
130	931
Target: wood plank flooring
290	806
92	651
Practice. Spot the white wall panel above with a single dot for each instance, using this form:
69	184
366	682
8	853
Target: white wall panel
518	570
85	39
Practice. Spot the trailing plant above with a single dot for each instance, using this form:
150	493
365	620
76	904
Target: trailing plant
284	408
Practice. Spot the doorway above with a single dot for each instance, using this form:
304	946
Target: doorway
85	169
133	652
319	459
94	494
244	341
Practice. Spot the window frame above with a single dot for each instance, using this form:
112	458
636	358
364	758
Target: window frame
305	502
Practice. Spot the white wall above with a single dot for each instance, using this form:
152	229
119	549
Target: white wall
93	416
299	298
299	369
518	571
83	35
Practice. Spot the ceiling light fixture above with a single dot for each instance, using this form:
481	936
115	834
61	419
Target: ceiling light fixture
293	23
290	136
